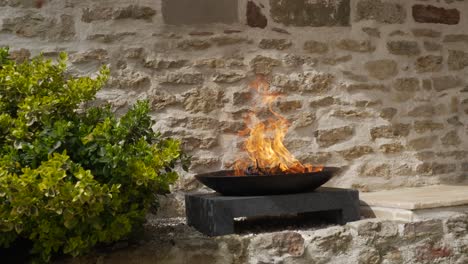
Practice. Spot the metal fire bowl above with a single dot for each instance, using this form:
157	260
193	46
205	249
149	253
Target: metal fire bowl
226	183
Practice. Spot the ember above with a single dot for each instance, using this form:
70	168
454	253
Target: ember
264	145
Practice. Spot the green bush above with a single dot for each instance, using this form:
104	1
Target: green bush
71	178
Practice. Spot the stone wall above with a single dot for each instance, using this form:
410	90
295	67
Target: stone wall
363	242
376	86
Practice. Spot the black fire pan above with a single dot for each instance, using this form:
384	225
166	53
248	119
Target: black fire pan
226	183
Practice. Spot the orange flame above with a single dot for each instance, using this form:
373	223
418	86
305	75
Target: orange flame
264	145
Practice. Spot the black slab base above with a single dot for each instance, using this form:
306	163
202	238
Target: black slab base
213	214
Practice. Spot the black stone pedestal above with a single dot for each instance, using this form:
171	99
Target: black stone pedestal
213	214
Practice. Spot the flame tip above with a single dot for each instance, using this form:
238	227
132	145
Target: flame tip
265	145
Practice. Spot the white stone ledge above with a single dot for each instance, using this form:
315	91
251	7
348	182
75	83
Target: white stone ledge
415	204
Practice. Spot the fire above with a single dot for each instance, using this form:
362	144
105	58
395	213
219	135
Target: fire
264	144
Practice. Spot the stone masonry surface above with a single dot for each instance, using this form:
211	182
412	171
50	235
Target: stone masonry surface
365	242
378	87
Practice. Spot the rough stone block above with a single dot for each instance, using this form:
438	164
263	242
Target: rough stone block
356	45
422	143
392	148
383	12
203	100
255	17
426	32
20	55
326	138
407	84
393	131
185	12
311	13
382	170
432	46
442	83
277	44
451	139
373	32
228	76
382	69
356	152
457	60
366	87
432	14
403	47
429	63
427	125
312	46
264	65
35	25
108	13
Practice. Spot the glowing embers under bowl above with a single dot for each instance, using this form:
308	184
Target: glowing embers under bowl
226	183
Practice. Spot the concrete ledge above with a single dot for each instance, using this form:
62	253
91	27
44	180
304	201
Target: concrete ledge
415	204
